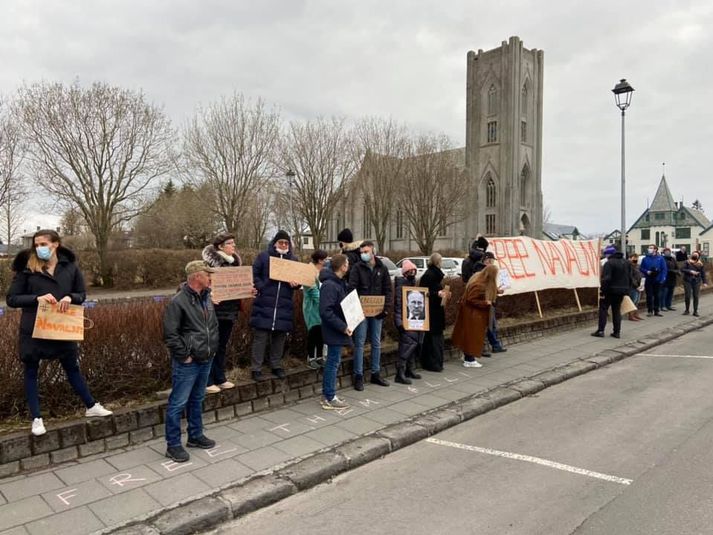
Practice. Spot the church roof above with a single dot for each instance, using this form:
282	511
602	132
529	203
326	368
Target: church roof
709	229
663	200
698	216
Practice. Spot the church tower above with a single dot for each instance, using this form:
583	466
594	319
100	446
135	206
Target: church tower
503	154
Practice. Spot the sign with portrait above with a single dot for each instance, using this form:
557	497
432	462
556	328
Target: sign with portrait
415	308
232	283
372	305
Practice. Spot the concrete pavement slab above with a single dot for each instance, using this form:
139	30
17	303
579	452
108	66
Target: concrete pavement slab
79	521
329	436
71	497
78	472
30	485
298	446
123	507
176	489
23	511
223	472
263	458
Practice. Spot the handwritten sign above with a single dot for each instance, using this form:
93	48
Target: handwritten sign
292	271
372	305
51	324
533	265
353	313
232	283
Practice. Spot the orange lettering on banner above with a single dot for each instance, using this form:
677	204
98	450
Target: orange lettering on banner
591	256
521	257
571	257
510	254
49	325
501	256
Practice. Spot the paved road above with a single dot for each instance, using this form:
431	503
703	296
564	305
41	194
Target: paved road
623	450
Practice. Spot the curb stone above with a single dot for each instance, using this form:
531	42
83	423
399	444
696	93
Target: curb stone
266	490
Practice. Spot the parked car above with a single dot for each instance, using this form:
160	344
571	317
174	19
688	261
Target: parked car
459	264
393	270
449	267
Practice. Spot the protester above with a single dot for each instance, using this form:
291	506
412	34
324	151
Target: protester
219	254
473	263
349	247
433	343
369	277
271	316
616	281
653	268
409	341
694	275
496	346
474	315
335	331
310	311
48	273
669	285
682	254
635	290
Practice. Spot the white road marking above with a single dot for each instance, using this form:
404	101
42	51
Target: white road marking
535	460
676	356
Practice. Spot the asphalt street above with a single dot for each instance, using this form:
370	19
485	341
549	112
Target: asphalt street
622	450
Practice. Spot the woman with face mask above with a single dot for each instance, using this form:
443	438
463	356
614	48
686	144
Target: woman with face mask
694	275
409	341
48	273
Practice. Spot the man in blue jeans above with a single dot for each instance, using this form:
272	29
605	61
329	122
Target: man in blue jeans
190	331
369	276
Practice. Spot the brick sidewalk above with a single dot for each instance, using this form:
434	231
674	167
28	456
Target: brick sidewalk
108	490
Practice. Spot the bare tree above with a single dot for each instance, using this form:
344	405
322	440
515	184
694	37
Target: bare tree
99	149
13	189
258	212
433	200
230	146
380	149
318	153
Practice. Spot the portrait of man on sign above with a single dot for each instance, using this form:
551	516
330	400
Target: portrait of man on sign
415	314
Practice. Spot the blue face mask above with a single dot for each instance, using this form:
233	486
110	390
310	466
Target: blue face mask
366	257
43	252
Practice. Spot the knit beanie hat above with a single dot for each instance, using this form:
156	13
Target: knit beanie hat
345	236
480	243
281	235
609	250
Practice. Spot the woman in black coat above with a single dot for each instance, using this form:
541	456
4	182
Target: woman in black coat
48	273
433	343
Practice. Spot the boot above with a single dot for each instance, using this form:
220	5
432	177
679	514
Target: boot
376	379
410	373
401	377
358	382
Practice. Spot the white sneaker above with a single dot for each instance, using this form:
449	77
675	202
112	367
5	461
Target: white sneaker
227	385
212	389
97	410
472	364
38	427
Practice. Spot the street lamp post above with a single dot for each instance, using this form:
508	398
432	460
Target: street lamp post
622	96
290	174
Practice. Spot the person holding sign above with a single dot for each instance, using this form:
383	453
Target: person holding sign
271	316
369	277
310	310
335	332
409	341
220	254
48	273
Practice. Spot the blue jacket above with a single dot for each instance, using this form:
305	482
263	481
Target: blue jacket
331	294
657	265
273	306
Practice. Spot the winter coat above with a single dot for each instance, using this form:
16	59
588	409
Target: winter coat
273	305
656	265
681	256
310	304
190	325
635	278
690	268
402	282
351	250
27	286
225	310
672	271
371	281
472	264
616	275
331	294
432	279
472	322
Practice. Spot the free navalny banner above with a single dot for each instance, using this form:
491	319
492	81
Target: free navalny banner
534	265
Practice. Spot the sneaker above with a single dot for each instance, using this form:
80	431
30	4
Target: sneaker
227	385
38	427
686	312
649	314
177	454
658	314
314	364
212	389
672	309
615	335
97	410
279	373
598	334
499	349
201	442
695	314
472	364
334	404
257	376
486	354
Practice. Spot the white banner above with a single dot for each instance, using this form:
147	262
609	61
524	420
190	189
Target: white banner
533	265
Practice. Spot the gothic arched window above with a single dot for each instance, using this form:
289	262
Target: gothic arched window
490	193
492	100
523	99
524	185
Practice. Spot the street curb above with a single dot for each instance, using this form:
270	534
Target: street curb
264	490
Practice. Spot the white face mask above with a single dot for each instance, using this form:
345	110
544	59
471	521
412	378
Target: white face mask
282	251
651	250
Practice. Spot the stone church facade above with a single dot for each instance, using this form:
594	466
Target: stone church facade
502	159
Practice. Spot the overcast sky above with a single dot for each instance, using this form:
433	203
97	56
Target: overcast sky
406	59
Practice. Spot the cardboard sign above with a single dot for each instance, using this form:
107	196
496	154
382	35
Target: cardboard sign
232	283
50	324
353	313
414	308
372	305
292	271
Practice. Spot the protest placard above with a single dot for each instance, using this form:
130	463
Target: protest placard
414	308
51	324
292	271
232	283
372	305
353	313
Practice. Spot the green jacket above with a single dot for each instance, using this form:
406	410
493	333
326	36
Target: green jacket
310	305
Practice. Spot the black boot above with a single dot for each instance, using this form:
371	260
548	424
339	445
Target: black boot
401	377
359	382
410	373
376	379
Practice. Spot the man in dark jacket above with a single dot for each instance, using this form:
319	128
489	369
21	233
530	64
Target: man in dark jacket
335	331
349	247
615	284
190	331
271	316
369	277
473	263
669	285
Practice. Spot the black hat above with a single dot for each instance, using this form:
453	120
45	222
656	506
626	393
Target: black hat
490	255
281	235
345	236
481	243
